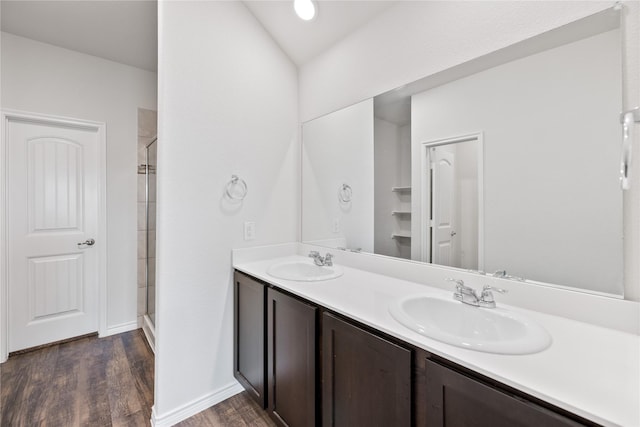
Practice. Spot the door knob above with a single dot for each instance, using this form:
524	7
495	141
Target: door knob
88	242
453	233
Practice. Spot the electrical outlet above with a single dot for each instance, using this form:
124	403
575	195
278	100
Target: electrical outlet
249	230
336	225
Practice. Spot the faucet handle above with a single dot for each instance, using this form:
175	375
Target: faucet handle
459	283
488	288
500	273
314	254
486	298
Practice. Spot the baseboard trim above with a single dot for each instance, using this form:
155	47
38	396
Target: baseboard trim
195	406
122	327
149	333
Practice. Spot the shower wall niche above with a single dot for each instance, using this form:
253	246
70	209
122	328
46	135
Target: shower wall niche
147	149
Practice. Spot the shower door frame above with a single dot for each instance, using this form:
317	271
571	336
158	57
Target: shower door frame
147	173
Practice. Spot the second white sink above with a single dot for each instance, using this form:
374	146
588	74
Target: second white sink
492	330
303	271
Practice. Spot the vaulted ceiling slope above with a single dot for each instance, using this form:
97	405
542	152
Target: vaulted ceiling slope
304	40
121	31
126	31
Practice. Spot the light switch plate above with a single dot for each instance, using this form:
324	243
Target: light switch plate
249	230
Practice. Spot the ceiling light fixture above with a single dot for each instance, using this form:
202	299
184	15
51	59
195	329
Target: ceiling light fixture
305	9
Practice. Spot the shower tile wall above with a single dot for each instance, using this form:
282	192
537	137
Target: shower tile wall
147	122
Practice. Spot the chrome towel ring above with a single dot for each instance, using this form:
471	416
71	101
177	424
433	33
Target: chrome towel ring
627	118
236	189
344	193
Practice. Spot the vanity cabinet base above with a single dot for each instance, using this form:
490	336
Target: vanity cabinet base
308	366
453	399
291	350
250	362
366	380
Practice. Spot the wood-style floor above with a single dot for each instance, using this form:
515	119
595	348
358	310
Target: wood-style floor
89	382
237	411
98	382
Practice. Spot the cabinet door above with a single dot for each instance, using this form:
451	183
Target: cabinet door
454	400
249	334
366	380
292	360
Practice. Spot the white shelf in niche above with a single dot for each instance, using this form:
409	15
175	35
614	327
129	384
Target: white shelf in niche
401	213
401	235
401	189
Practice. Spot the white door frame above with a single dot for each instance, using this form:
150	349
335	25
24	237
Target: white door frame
101	237
425	185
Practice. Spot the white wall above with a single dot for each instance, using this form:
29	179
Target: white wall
41	78
415	39
337	150
227	105
438	35
631	99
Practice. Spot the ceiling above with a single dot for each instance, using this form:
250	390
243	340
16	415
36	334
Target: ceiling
125	31
121	31
303	40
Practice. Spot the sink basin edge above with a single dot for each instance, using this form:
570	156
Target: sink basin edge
495	330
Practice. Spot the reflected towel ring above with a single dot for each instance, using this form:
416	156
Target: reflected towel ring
345	193
236	181
628	119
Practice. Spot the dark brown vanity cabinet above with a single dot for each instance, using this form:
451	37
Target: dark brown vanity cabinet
275	351
366	380
291	349
250	363
453	399
346	374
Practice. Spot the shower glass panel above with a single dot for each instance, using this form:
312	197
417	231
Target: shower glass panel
150	166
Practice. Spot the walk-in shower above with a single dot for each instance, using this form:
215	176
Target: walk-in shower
149	170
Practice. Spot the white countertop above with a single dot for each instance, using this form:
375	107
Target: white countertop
589	370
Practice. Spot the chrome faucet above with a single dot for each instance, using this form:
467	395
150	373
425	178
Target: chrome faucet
328	259
464	293
321	261
468	295
502	274
356	250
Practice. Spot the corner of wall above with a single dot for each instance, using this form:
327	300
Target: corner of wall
631	98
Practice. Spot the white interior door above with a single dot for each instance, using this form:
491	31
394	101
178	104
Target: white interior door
53	207
443	206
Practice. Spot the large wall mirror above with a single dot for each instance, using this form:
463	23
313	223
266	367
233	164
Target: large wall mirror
506	165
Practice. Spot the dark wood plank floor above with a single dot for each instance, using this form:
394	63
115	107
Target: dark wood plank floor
99	382
89	382
237	411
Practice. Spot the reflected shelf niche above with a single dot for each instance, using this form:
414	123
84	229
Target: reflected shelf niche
401	235
402	214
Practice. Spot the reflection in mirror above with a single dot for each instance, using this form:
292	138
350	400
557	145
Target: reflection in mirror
453	197
506	164
338	150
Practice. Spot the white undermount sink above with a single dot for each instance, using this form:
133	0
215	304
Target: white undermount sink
303	271
491	330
